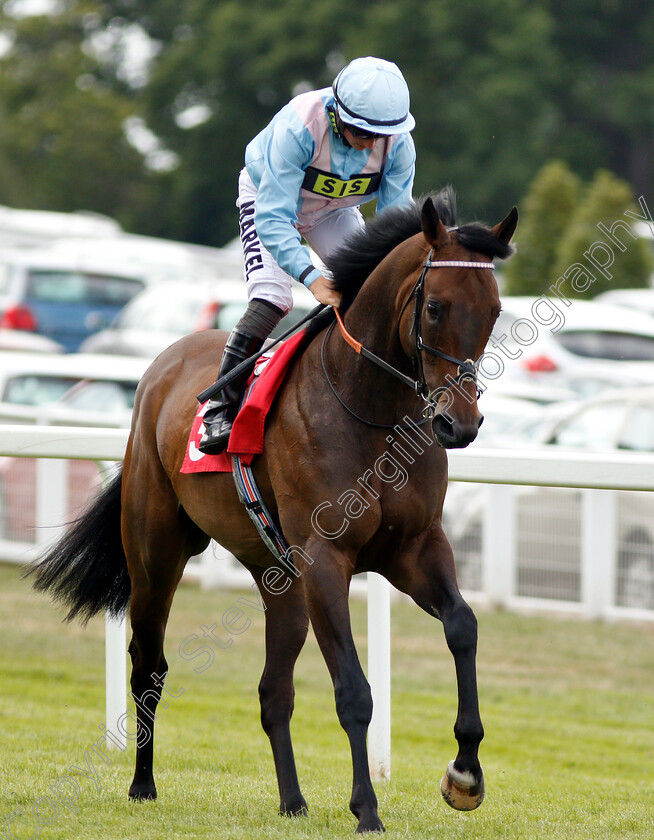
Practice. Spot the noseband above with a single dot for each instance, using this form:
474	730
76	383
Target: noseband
466	370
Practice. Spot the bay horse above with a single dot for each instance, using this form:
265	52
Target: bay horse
354	470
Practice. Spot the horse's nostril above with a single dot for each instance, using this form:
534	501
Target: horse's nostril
451	434
444	428
443	421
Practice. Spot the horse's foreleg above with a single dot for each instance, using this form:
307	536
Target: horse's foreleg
326	585
428	575
287	623
462	785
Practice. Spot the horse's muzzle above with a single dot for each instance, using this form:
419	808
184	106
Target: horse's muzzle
451	433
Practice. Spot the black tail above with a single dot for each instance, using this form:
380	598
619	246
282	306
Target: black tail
86	569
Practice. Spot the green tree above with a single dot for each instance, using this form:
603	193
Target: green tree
481	76
546	212
606	200
235	65
499	87
606	64
478	74
62	143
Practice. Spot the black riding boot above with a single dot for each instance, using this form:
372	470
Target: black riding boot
221	413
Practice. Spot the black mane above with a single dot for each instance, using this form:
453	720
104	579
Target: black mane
352	263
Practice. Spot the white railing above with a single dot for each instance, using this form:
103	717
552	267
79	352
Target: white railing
597	475
595	472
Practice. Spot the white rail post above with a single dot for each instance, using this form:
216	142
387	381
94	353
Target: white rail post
498	545
115	677
379	676
51	499
598	541
115	656
51	511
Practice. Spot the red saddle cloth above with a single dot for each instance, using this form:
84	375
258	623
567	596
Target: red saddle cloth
246	439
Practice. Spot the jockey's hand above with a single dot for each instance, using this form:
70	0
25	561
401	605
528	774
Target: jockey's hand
323	291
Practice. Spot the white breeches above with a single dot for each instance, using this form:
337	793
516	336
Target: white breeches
264	278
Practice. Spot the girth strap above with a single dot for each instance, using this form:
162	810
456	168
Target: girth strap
250	496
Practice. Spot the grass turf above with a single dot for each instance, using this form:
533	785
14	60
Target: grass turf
568	708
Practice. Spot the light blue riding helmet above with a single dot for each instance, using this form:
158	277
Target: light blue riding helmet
371	94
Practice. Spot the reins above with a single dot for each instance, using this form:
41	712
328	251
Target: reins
466	369
372	357
368	354
249	363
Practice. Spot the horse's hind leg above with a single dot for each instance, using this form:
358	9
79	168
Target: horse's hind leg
428	575
157	541
287	623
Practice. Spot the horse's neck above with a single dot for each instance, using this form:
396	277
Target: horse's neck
373	320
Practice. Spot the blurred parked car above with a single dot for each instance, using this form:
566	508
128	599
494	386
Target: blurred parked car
152	258
641	300
503	413
165	312
585	347
38	228
82	390
526	390
33	379
27	342
548	525
62	299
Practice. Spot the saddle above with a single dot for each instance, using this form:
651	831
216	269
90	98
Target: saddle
246	439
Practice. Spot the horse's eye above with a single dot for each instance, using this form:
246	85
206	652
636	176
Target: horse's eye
434	309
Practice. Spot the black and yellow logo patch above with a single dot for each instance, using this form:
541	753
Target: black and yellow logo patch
328	185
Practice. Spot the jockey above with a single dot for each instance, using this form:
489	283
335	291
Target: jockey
324	153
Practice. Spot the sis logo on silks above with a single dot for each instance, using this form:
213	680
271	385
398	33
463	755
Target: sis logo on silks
324	183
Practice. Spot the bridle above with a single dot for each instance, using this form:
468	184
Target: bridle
466	369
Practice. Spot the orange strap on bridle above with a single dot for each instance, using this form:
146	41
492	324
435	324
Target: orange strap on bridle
367	354
356	345
466	369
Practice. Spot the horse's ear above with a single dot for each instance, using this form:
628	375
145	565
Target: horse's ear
506	228
432	227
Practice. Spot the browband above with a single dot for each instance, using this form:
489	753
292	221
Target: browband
454	263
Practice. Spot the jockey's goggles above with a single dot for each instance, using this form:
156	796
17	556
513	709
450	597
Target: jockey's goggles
361	133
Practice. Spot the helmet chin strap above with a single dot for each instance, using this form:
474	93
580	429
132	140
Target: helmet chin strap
335	121
337	125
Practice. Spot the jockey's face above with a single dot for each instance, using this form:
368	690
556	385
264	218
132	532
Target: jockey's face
357	138
358	143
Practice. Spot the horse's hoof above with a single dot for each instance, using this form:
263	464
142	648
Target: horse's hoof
378	827
142	793
461	790
372	823
294	809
